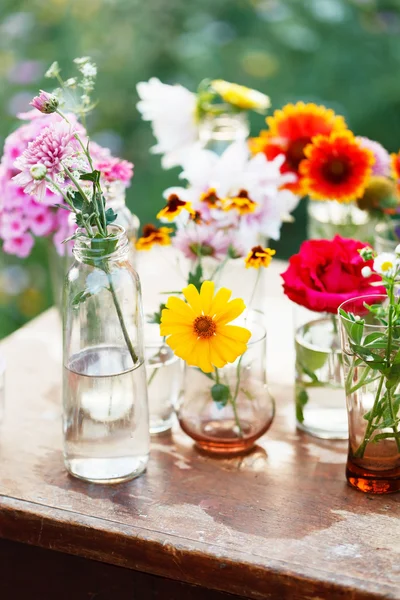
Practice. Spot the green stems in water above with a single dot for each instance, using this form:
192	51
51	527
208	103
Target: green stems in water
232	398
121	320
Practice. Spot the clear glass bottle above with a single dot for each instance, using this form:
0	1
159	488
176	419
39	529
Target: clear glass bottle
105	417
58	268
164	379
217	132
373	400
319	387
326	218
233	426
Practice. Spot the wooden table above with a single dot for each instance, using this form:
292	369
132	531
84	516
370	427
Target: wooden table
279	523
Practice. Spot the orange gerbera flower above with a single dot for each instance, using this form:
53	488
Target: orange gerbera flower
396	168
290	131
336	167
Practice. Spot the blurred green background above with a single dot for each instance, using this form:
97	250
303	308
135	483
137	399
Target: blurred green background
344	54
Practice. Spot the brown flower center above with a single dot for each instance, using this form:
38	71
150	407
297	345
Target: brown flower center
204	326
149	229
258	252
173	203
295	152
336	170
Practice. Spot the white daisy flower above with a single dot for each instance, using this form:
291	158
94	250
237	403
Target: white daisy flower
172	112
386	264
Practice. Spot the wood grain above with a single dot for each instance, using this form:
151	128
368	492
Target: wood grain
279	523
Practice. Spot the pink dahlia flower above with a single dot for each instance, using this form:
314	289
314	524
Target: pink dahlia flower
382	157
54	145
202	241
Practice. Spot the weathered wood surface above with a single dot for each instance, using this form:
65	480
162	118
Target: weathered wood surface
280	523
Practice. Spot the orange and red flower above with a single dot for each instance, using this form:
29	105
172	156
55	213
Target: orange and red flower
290	131
396	168
336	167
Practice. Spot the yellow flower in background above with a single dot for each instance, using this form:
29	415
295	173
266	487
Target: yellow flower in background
154	236
242	203
198	331
259	257
174	207
211	198
241	96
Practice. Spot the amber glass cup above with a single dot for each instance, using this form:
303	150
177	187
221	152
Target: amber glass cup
373	405
232	425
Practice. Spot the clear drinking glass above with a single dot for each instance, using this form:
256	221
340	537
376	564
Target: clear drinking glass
373	402
319	388
326	218
385	236
164	379
217	132
105	419
234	425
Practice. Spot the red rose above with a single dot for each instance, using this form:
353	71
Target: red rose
325	273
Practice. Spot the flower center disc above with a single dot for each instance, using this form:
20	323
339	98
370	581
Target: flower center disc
204	326
336	171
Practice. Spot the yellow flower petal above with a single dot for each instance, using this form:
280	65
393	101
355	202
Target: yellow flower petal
234	332
216	357
228	350
206	296
232	310
179	306
171	328
220	300
193	297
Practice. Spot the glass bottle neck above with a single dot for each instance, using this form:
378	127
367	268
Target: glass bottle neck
97	250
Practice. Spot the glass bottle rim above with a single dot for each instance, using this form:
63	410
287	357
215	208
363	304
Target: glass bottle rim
85	246
362	299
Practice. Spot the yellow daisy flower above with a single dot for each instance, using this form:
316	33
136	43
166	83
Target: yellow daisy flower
242	203
153	235
198	330
259	257
174	207
241	96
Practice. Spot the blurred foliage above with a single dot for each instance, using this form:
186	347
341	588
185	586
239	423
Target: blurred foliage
344	54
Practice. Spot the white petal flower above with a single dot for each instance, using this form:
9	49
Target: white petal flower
397	250
386	264
172	112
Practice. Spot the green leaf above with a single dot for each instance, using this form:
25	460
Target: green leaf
196	278
301	401
356	331
80	297
92	176
156	316
220	394
111	216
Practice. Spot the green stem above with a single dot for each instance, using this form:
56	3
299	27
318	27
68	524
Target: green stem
359	383
121	320
255	287
359	453
150	379
393	417
234	398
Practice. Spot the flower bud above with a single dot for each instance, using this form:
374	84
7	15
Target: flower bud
38	172
366	272
366	253
46	103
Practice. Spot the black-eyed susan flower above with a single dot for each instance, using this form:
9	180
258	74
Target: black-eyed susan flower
241	203
211	198
174	207
336	167
153	236
198	330
241	96
259	257
290	131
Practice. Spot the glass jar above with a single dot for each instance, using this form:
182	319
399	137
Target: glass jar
373	406
105	416
387	236
164	378
319	388
217	132
327	218
58	268
232	423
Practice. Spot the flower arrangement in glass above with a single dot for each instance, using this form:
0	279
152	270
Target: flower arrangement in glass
370	332
213	117
105	417
225	405
319	278
347	178
43	216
